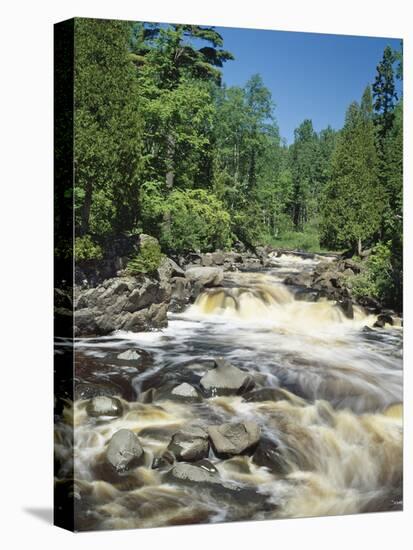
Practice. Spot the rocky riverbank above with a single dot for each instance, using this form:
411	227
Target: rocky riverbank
248	403
141	302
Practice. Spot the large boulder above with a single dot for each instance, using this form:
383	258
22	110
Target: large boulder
200	472
124	451
346	306
205	276
189	444
182	393
185	392
383	319
225	379
180	294
103	405
213	258
298	279
122	303
234	438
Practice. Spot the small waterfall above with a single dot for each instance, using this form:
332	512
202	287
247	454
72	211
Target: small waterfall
275	305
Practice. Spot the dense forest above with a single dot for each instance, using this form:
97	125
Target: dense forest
164	147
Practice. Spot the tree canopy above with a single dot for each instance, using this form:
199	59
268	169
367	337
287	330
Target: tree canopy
163	146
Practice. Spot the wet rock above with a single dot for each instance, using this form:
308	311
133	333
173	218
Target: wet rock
87	391
165	460
268	394
235	438
200	472
124	451
129	355
159	433
104	406
185	392
180	294
225	379
346	306
300	279
205	276
307	295
168	378
383	319
268	454
189	444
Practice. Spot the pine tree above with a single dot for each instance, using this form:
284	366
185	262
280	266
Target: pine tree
384	93
353	204
303	167
108	134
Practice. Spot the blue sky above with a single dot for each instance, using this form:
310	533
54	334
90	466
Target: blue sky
310	75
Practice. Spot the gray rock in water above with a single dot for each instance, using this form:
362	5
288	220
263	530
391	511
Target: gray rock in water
129	355
201	472
268	394
183	393
165	460
124	451
189	444
205	276
186	392
268	454
103	405
383	319
234	439
225	379
346	306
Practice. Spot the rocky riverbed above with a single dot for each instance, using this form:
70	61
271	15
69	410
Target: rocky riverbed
264	391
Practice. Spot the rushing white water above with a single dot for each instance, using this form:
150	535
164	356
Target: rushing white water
338	430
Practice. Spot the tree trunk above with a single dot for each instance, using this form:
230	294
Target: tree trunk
359	247
170	176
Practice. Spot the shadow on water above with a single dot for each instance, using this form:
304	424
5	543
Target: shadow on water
44	514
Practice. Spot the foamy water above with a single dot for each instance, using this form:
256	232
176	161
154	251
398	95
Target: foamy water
339	429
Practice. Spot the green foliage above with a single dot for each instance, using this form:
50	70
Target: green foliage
376	278
147	261
107	128
196	219
307	240
353	203
87	249
384	92
163	147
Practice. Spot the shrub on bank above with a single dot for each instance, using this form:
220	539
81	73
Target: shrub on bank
376	278
147	260
87	249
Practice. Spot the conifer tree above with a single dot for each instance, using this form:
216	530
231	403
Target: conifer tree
353	204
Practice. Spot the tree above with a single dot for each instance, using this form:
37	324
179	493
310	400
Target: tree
107	130
384	92
393	212
247	161
303	168
353	204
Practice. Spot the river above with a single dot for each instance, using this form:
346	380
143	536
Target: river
338	431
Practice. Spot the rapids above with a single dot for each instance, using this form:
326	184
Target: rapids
338	430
